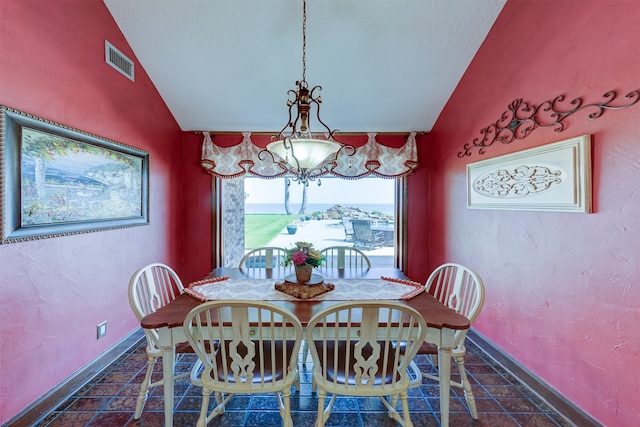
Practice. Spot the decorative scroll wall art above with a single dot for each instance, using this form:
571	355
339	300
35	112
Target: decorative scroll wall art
371	159
553	177
522	118
57	180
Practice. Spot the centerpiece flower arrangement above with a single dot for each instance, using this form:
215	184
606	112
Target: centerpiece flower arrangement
304	258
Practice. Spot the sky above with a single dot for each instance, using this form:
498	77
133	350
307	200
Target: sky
331	190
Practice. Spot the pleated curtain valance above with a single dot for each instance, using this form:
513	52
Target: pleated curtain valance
371	159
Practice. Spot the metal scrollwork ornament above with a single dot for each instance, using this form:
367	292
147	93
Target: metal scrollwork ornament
521	118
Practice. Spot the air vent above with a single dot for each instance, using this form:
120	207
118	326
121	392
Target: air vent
118	60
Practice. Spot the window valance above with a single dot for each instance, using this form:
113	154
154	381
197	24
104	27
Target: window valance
370	159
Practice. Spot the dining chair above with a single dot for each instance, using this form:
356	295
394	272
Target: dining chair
344	257
354	352
150	288
339	258
364	236
256	352
461	289
264	257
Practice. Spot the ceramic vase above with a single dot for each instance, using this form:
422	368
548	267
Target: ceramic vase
303	273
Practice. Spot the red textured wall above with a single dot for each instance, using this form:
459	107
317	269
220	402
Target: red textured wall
197	214
53	292
563	289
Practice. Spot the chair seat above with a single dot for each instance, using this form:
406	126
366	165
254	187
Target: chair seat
336	373
428	348
269	374
184	348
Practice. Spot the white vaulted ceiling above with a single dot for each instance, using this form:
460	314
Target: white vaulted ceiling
384	65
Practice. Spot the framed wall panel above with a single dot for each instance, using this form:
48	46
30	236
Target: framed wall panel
553	177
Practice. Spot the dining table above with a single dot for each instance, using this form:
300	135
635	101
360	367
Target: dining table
442	322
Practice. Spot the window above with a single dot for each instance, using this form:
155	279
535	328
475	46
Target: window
265	207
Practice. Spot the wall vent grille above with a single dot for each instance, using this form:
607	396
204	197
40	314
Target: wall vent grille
118	60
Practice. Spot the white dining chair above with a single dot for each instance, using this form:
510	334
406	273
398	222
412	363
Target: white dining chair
344	257
355	353
265	257
248	347
461	289
339	258
150	288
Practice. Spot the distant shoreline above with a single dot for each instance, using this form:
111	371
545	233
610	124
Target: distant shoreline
278	208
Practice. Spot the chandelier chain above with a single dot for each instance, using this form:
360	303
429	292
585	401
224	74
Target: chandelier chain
304	40
301	155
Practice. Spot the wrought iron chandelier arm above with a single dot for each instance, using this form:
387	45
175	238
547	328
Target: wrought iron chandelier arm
290	123
328	130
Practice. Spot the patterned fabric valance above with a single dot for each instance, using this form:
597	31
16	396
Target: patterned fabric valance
371	159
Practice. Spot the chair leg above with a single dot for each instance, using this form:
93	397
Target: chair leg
434	359
194	375
466	386
405	409
202	421
220	408
286	410
393	402
144	387
322	417
305	352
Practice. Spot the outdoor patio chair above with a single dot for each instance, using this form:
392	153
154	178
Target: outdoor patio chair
364	237
348	228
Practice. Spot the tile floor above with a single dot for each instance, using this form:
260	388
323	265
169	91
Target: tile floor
110	399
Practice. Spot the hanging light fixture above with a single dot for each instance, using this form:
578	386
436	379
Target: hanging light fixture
307	157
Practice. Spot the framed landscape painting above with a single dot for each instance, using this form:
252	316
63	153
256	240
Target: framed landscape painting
57	180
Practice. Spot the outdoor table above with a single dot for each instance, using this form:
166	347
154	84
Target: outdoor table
389	231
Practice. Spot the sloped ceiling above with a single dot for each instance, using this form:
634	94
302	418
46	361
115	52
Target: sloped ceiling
384	65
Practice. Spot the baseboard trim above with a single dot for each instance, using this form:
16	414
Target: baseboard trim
563	405
50	401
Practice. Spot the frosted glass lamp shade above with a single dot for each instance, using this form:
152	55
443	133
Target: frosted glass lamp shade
310	153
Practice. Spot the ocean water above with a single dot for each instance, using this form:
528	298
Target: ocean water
278	208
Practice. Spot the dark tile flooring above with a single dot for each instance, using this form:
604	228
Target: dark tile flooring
110	399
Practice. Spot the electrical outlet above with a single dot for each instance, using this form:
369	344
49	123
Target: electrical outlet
102	329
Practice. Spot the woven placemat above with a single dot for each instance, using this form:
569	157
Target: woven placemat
302	291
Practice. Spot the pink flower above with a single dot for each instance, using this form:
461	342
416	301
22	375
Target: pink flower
299	258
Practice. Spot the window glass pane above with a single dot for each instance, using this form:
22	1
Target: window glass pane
277	214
